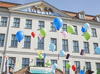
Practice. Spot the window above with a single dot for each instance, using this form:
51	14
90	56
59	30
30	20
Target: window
41	43
0	62
64	67
98	18
53	40
86	47
53	27
2	37
75	46
64	27
88	66
53	61
11	62
95	45
14	41
27	41
16	22
28	24
3	21
41	25
97	66
65	45
25	62
77	64
75	27
94	34
40	62
82	16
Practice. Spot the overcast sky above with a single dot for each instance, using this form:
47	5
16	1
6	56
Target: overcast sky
90	7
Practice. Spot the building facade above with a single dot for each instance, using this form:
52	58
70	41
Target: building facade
34	16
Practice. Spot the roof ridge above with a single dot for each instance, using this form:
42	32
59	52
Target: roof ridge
10	2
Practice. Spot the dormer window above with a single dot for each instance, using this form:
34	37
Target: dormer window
81	15
97	18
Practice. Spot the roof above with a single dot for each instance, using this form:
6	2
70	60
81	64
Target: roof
72	14
87	17
7	4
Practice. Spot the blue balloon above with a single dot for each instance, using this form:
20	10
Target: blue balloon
53	72
20	35
61	53
83	29
58	23
52	47
55	65
98	50
82	72
86	26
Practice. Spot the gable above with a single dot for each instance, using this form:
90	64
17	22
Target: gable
40	7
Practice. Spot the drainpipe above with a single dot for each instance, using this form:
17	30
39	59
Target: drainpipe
3	61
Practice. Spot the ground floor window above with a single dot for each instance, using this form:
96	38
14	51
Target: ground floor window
40	62
64	67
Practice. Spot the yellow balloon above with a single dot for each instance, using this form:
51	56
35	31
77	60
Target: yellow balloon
39	52
18	64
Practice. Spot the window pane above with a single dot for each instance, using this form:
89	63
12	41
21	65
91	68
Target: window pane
27	42
3	21
41	43
25	62
94	34
14	41
41	24
75	27
40	62
11	62
2	37
16	22
65	45
75	46
53	27
64	67
29	24
86	47
64	27
53	40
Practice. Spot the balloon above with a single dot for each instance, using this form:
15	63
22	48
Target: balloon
55	65
48	63
73	67
58	23
61	53
40	56
20	35
87	35
82	72
33	34
64	33
83	29
43	32
70	29
52	47
53	72
86	26
98	50
68	65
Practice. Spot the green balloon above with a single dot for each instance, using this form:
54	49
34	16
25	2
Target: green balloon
87	35
40	56
43	32
48	63
70	29
68	65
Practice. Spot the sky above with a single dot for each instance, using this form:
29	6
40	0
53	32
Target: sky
91	7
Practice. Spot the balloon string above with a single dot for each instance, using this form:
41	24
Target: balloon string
58	44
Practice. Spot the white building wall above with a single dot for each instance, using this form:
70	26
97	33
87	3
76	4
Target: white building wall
32	54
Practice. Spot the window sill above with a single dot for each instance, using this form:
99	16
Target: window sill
39	49
25	48
2	26
96	53
75	52
53	31
94	36
74	34
1	46
38	29
87	53
12	47
27	28
14	27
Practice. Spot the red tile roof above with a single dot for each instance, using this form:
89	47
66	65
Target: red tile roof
7	4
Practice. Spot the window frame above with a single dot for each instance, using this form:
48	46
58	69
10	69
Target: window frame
41	26
65	45
18	23
4	21
94	35
27	42
76	63
40	61
64	67
25	62
28	25
88	65
54	43
15	40
12	62
75	46
40	43
75	30
53	61
63	28
95	48
1	40
86	47
53	29
97	66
